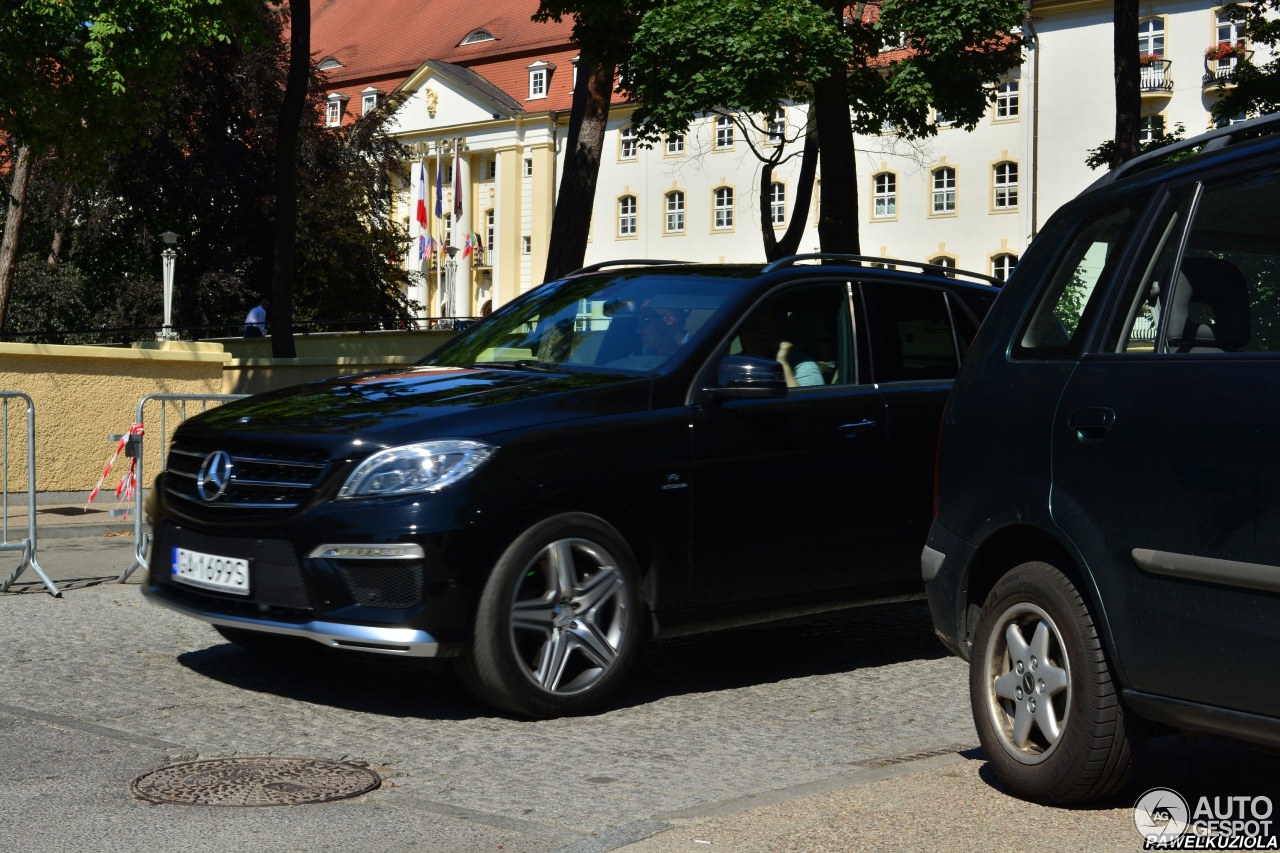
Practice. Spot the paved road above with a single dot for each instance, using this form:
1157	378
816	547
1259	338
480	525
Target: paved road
849	734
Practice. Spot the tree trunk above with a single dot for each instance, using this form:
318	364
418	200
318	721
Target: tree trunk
790	242
60	227
286	248
13	225
838	201
1128	94
571	222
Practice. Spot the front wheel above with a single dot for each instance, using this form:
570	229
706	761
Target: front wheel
1046	708
558	622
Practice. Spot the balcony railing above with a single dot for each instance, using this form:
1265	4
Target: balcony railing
1154	76
1222	71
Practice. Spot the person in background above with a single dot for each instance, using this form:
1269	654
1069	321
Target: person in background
255	322
661	330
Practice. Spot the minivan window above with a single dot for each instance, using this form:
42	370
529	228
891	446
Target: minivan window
1058	319
1225	297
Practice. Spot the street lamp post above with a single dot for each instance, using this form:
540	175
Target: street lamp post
168	258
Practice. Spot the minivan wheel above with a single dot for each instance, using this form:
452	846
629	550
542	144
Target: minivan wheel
1044	702
558	622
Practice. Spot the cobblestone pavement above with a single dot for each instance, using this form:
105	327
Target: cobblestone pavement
98	687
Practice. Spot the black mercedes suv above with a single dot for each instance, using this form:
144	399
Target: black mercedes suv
1106	551
638	449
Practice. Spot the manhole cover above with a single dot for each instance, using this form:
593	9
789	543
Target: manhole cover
254	782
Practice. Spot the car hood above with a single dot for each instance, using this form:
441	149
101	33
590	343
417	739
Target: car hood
408	404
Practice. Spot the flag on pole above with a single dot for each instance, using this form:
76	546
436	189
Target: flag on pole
422	246
466	245
478	243
421	212
430	247
457	182
439	187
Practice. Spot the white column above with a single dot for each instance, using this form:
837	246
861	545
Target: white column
463	296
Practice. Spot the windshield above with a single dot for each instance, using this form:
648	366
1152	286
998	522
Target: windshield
637	323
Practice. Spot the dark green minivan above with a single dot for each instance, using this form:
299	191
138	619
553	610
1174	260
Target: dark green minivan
1106	543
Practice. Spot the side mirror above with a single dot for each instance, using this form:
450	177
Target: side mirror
744	377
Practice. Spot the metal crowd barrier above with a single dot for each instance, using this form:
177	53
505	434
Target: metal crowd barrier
27	545
141	538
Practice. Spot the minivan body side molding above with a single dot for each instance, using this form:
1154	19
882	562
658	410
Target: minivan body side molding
1208	569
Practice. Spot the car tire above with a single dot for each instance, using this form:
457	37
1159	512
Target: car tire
558	621
1045	703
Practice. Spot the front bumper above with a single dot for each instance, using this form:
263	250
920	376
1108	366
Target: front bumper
409	642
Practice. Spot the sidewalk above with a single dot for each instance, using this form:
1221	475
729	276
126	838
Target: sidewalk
62	516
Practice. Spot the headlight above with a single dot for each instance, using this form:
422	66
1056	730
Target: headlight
414	468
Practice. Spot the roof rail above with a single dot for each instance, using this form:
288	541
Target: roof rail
627	262
869	260
1214	140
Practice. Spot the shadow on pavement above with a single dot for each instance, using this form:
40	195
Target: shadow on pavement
402	687
1194	766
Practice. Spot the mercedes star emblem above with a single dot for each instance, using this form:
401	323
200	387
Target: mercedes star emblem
214	476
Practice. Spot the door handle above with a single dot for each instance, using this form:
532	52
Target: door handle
1092	422
852	430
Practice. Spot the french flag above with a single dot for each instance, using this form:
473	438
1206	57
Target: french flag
421	213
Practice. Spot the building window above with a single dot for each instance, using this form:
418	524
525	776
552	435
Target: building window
945	261
368	101
490	170
777	203
887	126
630	143
723	208
448	229
1002	266
941	119
944	191
724	132
1230	27
333	111
528	167
539	79
1007	100
1151	37
675	143
490	226
776	129
1151	129
526	245
627	216
477	36
675	212
885	195
573	79
1005	185
328	64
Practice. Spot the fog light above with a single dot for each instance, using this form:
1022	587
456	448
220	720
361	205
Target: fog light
368	552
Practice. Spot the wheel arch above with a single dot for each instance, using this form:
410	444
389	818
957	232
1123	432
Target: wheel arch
1011	546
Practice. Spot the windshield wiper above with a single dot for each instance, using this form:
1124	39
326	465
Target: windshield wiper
521	364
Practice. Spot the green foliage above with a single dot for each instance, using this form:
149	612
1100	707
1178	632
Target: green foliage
747	55
97	65
207	173
1107	154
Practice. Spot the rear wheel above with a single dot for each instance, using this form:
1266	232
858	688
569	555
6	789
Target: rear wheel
558	622
1045	704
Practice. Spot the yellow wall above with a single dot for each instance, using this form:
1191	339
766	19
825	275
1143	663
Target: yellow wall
82	394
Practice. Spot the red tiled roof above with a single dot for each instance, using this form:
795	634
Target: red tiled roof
381	43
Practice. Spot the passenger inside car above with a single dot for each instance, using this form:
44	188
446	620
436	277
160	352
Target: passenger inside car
762	336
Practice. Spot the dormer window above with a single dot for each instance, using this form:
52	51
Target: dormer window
539	79
476	36
369	100
329	63
334	105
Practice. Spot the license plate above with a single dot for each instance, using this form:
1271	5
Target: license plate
210	571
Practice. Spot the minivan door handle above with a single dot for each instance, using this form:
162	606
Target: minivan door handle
1092	422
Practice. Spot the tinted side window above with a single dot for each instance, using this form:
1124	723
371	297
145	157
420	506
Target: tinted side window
806	329
1059	316
1226	294
913	328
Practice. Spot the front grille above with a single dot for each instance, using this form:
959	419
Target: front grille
263	479
275	574
384	585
